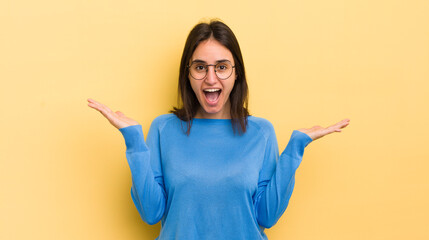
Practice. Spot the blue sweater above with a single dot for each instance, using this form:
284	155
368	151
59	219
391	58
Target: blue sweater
212	184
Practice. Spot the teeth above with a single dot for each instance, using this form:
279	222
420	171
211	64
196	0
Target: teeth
211	90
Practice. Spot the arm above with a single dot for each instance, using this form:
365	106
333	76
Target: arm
277	178
147	189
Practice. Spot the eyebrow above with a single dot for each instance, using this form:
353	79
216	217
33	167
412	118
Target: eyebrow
218	61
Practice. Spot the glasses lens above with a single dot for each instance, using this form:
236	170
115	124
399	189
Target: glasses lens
199	70
223	70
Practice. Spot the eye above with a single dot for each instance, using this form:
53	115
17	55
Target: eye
222	66
199	67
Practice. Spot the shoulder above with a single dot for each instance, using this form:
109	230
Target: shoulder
262	124
160	121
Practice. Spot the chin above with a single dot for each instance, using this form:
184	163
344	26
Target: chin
211	110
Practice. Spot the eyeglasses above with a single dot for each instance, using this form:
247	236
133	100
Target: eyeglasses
198	70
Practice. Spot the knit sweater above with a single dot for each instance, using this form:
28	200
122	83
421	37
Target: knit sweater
213	183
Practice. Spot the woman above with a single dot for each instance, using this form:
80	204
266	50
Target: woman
209	170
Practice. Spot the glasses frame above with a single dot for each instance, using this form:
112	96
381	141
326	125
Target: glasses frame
207	69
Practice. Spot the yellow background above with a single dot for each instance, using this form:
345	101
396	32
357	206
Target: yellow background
63	171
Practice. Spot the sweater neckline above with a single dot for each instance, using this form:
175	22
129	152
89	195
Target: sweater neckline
211	121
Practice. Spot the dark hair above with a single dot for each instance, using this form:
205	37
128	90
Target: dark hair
188	102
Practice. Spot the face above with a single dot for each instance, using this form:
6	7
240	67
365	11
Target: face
212	92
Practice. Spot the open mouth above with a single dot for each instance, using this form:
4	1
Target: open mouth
212	95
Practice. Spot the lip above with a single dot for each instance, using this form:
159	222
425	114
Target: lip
210	103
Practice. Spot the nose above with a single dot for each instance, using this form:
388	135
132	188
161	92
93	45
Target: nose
211	77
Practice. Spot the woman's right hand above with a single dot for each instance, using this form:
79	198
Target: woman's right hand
117	119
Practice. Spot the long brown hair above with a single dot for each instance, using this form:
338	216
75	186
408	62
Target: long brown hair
188	102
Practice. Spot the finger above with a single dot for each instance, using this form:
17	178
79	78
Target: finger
94	106
103	109
344	123
337	127
341	123
109	114
92	100
99	104
331	129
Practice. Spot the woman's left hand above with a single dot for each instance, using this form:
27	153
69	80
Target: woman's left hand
318	131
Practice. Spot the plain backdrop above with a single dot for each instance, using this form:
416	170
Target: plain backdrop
63	171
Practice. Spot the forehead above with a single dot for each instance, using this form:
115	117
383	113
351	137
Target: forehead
211	51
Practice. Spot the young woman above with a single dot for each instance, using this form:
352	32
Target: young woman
209	170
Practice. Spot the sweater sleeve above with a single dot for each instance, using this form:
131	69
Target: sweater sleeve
147	190
277	177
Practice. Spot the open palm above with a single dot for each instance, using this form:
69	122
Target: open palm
117	119
318	131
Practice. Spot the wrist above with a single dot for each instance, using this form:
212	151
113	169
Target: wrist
134	138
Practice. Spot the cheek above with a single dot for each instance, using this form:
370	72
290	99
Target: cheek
230	86
195	87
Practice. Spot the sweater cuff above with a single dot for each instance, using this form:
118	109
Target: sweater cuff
134	139
301	137
298	141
